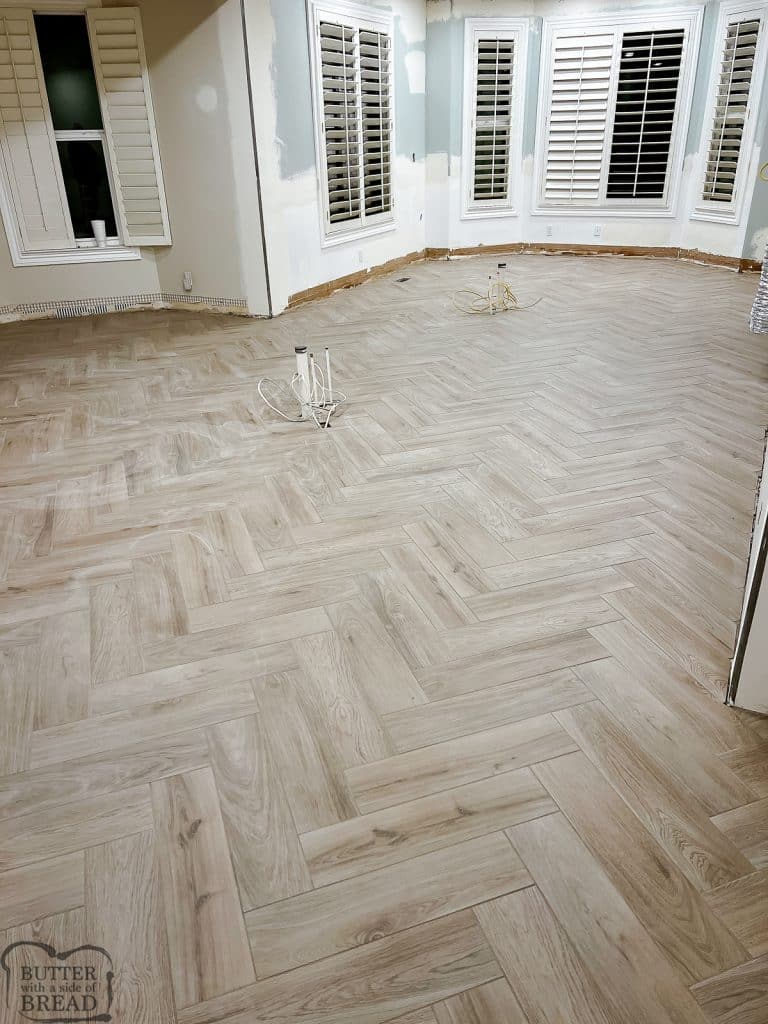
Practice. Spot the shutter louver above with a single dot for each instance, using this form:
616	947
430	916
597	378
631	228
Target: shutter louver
121	72
27	141
578	116
375	59
731	103
494	83
338	55
646	102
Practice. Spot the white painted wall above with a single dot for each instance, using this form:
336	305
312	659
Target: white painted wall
279	61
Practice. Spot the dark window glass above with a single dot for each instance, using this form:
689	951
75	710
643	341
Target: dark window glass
87	185
65	53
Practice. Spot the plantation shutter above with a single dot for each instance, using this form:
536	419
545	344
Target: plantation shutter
646	101
27	143
375	65
492	119
731	104
338	57
578	117
126	105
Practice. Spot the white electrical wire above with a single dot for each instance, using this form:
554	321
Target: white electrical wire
324	401
498	299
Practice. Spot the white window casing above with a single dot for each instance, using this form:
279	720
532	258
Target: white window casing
726	151
33	200
495	67
615	98
353	98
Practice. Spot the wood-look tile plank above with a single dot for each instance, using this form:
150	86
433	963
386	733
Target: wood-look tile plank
64	679
689	764
261	833
385	979
378	667
395	834
120	728
739	996
115	634
308	754
207	944
457	762
743	906
672	911
493	706
43	790
619	954
40	890
124	916
382	902
494	1003
529	597
544	969
676	819
57	831
522	661
751	765
747	829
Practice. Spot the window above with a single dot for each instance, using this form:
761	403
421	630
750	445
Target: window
494	62
616	93
739	66
352	87
77	137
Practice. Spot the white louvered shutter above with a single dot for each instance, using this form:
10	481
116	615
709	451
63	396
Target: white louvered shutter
27	142
494	74
341	131
646	103
578	117
126	105
731	106
376	115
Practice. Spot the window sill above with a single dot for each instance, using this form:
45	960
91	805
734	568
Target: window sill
603	211
64	257
355	235
730	217
489	213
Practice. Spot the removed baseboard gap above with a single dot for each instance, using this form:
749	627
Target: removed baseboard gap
65	309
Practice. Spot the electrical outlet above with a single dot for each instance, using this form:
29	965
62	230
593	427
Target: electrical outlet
549	230
597	231
187	280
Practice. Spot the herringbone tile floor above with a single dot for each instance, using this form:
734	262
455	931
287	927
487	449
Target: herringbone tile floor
417	719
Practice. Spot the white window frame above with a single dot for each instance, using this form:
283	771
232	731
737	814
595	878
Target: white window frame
516	29
731	212
84	250
358	17
688	18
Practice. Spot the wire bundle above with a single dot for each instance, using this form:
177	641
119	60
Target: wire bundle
498	299
324	400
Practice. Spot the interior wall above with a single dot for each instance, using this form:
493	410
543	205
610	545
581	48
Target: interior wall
197	70
278	44
445	77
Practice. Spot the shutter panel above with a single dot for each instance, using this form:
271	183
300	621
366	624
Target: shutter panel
27	142
338	58
375	72
646	101
492	127
126	105
578	116
731	103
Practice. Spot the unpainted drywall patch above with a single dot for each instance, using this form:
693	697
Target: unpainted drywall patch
207	99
